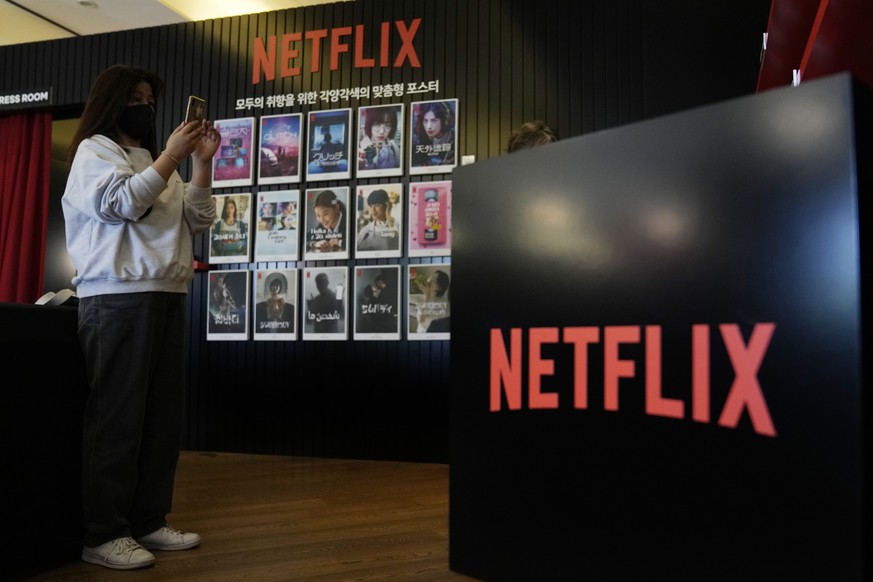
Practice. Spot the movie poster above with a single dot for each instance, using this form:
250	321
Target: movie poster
433	147
277	235
228	305
430	219
280	138
330	145
380	141
377	302
428	304
325	303
379	221
327	224
229	236
232	164
276	293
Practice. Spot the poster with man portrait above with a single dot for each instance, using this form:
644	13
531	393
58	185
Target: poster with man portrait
279	157
329	145
428	304
230	235
377	302
227	305
380	141
379	221
326	235
233	161
275	311
325	303
277	234
433	135
430	218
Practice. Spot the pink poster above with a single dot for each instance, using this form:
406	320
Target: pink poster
430	218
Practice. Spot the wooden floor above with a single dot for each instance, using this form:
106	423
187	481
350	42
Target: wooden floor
266	518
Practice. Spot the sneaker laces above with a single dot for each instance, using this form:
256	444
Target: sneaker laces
127	545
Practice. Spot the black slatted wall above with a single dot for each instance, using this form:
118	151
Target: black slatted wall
582	66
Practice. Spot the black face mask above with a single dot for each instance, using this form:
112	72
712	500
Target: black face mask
137	120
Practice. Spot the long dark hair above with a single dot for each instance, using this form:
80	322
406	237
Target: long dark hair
442	111
224	210
108	97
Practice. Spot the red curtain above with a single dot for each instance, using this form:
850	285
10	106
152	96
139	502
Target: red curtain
25	163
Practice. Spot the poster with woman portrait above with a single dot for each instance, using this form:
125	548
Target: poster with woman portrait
377	302
228	305
379	221
325	303
428	302
232	164
329	145
275	293
229	235
280	139
277	235
327	224
433	134
430	218
380	141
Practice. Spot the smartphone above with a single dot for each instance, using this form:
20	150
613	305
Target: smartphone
196	109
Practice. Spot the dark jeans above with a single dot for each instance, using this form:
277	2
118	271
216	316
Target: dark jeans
135	350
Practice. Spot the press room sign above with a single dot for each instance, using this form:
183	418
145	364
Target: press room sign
25	99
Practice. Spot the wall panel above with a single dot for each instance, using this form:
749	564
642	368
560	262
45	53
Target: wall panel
581	66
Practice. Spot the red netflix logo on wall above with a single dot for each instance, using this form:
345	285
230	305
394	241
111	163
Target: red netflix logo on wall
285	55
506	378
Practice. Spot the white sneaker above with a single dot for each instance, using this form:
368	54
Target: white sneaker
168	538
119	554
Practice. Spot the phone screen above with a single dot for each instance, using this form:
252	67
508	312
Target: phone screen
196	110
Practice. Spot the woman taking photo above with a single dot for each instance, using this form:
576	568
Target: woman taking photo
130	220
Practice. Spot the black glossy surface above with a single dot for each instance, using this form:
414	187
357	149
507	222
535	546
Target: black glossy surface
743	213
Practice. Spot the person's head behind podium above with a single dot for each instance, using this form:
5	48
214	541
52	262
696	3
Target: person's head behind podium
529	135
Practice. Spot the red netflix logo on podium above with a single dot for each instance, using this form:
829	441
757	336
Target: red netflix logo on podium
745	392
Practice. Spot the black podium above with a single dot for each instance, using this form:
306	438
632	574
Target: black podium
41	404
659	371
